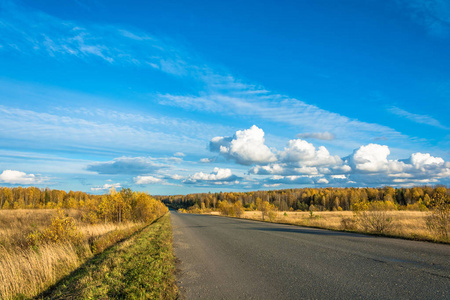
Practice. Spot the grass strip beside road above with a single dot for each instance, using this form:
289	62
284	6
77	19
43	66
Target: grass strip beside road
141	267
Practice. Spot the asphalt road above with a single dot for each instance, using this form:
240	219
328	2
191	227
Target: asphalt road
224	258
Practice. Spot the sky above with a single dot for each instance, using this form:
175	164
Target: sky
177	97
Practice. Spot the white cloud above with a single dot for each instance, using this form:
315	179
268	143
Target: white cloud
322	181
146	180
218	175
423	161
179	154
307	170
339	176
246	147
302	153
301	157
293	179
176	177
372	158
205	160
271	185
326	136
106	187
18	177
368	165
271	169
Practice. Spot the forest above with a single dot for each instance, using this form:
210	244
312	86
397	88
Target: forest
315	199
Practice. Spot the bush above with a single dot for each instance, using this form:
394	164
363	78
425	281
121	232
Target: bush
373	216
62	229
418	206
267	210
349	223
439	220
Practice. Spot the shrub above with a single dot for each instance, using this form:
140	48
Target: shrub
349	223
62	229
272	215
267	209
238	208
439	220
418	206
373	216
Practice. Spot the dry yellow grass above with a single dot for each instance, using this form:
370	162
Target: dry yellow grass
28	271
408	224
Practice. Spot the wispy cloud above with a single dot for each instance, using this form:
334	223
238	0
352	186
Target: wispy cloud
126	165
67	131
222	93
433	15
421	119
30	32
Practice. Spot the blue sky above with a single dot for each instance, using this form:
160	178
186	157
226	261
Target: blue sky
176	97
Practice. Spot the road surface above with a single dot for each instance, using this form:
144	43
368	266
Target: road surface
225	258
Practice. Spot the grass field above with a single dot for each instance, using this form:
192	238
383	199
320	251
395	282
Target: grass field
403	223
27	269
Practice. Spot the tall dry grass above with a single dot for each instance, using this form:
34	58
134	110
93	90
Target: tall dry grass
28	270
406	224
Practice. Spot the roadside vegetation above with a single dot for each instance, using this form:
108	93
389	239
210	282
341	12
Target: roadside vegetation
421	213
142	267
38	247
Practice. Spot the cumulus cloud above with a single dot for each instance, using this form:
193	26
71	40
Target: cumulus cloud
372	158
125	165
272	169
300	162
246	147
217	176
179	154
106	187
367	165
326	136
303	153
424	161
302	157
205	160
370	165
322	181
18	177
146	180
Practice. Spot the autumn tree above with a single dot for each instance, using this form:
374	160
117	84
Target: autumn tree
439	220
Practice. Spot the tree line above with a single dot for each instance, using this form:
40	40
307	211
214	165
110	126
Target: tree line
319	199
117	207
